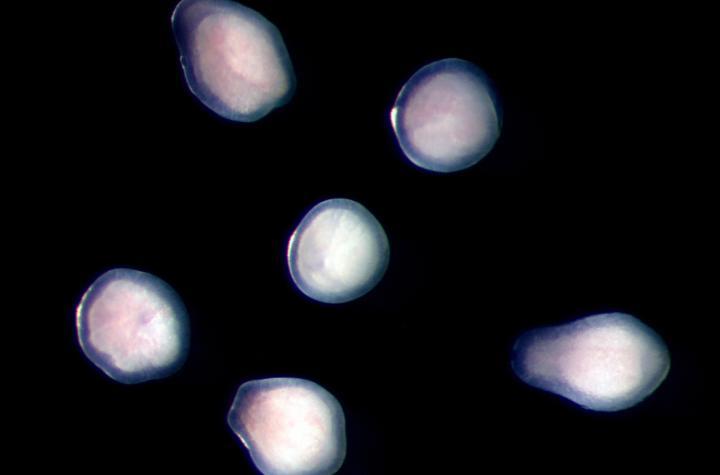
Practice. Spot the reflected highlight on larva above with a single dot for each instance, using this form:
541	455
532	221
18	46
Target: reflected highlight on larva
447	116
133	326
234	60
289	426
605	362
338	252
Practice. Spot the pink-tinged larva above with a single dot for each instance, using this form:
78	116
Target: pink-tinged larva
133	326
447	116
289	426
233	58
604	362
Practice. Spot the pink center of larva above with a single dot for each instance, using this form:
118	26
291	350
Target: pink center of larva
290	426
446	118
605	361
133	326
237	61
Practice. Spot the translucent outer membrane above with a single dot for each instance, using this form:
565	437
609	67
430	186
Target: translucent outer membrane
289	426
234	59
133	326
446	117
338	252
604	362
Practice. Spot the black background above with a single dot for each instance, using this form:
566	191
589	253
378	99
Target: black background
588	203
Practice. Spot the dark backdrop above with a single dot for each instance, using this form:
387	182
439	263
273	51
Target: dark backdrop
587	204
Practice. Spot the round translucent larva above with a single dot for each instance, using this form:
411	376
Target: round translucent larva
338	252
290	426
447	116
604	362
235	61
133	326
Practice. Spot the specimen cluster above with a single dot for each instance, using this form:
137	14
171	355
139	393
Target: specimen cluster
447	117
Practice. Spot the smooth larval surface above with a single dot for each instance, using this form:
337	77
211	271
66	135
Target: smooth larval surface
234	60
338	252
289	426
605	362
447	116
133	326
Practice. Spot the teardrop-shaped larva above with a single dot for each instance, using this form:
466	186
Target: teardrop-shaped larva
604	362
